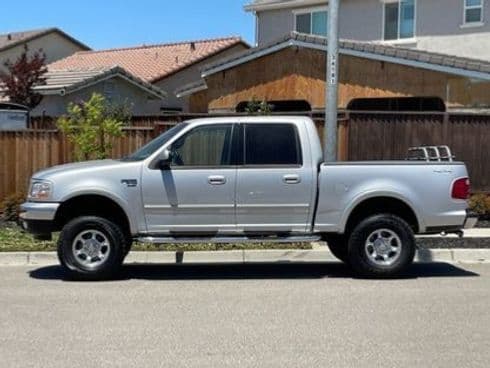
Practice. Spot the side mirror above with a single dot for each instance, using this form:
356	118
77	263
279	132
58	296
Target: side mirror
162	162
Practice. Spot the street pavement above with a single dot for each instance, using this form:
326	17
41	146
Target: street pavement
279	315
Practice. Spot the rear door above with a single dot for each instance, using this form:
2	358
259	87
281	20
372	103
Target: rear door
274	186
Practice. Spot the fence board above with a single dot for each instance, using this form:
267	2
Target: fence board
23	153
381	135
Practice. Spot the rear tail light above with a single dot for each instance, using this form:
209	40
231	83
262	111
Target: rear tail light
461	189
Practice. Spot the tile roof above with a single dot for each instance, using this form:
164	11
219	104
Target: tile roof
472	68
68	81
8	40
150	63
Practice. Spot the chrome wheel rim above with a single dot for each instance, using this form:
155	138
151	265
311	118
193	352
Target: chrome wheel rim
383	247
91	248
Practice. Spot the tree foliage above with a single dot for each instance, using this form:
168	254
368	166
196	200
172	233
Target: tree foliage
22	75
256	107
92	125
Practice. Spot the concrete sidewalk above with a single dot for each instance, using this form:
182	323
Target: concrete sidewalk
471	233
319	255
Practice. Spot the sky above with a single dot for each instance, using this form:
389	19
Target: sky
108	23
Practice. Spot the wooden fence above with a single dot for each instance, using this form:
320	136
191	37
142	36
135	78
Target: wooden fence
362	136
22	153
387	136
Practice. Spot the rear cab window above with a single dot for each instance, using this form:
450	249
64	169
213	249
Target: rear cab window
271	145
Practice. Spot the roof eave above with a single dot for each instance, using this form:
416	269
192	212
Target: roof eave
275	6
346	51
44	33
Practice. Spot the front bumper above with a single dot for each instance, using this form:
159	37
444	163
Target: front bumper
38	218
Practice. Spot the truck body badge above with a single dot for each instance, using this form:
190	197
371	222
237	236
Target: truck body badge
130	183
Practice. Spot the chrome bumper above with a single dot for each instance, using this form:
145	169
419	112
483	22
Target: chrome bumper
37	211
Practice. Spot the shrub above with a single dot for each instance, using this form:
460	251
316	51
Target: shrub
91	125
480	203
11	206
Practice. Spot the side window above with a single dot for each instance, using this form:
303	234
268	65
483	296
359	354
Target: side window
272	144
208	145
473	11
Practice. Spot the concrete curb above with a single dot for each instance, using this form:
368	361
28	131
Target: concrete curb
469	256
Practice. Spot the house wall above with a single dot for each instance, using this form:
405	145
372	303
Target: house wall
438	26
303	78
56	105
53	45
190	75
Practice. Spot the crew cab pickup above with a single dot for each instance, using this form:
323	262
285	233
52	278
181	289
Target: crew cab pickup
244	179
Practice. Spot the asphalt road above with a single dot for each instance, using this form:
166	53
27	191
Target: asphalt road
246	316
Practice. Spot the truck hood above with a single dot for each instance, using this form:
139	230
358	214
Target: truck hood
79	167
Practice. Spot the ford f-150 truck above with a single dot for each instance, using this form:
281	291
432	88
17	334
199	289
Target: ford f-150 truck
245	179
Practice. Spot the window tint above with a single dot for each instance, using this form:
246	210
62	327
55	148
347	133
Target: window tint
272	144
203	146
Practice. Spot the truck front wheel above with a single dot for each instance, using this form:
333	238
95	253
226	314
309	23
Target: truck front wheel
91	248
381	246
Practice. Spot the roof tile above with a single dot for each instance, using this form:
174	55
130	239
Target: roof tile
149	63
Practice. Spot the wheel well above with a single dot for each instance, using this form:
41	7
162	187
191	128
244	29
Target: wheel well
381	205
92	205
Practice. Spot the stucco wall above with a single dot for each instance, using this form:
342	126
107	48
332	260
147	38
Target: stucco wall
438	26
138	99
189	75
54	46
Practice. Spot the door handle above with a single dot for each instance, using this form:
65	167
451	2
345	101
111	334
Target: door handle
217	180
291	179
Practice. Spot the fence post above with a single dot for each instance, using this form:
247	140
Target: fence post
343	139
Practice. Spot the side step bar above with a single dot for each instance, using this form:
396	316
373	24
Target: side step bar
229	239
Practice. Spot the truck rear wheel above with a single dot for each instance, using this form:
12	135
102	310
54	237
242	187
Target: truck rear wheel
91	248
381	246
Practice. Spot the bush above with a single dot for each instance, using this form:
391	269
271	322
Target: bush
480	203
10	206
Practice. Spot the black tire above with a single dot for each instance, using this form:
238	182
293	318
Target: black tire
115	248
337	243
364	258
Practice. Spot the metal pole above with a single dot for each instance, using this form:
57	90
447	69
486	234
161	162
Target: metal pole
332	86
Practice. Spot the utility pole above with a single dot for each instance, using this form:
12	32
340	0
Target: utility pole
332	83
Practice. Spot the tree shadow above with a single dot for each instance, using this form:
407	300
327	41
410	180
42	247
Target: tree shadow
279	271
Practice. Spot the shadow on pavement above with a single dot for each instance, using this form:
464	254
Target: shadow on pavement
254	272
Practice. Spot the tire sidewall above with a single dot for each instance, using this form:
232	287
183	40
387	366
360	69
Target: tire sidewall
357	254
77	226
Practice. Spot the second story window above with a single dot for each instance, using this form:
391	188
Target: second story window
473	11
399	19
312	21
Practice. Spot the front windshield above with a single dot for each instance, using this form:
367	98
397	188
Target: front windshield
150	148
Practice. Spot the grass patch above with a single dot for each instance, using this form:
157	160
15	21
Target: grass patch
14	239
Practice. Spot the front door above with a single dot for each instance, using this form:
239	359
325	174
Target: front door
196	194
274	186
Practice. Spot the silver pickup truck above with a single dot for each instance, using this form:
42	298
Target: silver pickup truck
254	179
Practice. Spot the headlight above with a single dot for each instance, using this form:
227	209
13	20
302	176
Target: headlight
40	190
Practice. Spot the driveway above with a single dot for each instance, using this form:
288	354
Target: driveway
438	315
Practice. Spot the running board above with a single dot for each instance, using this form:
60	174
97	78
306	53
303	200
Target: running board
229	239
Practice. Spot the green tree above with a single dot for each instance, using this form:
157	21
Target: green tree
92	126
256	107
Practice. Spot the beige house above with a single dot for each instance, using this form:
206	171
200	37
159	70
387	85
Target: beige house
55	43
